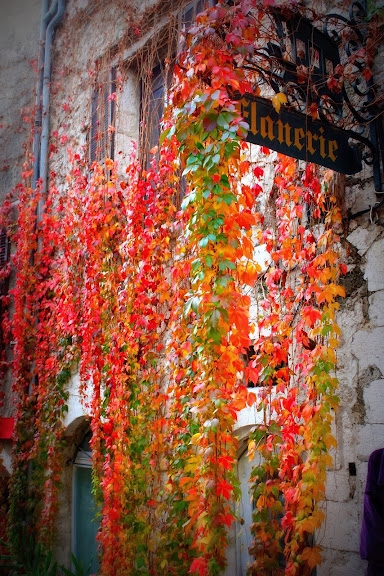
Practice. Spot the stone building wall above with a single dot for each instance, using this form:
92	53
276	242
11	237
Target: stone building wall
359	424
19	41
19	49
89	30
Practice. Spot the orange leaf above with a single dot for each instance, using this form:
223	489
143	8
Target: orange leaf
245	220
185	480
312	556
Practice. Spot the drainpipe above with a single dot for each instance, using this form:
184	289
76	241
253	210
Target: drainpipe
51	18
46	15
59	6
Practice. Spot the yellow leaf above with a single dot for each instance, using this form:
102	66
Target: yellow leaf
333	342
193	463
330	441
278	100
336	329
328	460
195	438
251	449
307	525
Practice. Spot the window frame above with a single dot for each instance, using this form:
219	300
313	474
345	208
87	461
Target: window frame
101	139
162	70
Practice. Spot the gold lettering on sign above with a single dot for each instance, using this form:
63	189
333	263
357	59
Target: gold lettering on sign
266	128
322	144
249	113
254	129
311	142
310	138
284	133
299	135
332	148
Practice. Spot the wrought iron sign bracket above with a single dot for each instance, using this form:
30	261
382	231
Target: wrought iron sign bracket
332	116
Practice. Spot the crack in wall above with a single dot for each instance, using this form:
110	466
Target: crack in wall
369	375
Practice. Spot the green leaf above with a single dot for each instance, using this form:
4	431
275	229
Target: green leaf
214	334
222	121
215	317
187	200
194	159
209	261
224	264
222	281
167	133
190	169
196	264
195	303
225	180
229	198
217	223
326	330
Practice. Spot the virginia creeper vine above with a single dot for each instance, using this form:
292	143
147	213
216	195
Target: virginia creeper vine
156	309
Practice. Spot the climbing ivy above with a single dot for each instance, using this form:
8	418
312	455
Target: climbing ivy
158	310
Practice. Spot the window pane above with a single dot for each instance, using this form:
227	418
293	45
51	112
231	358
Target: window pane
156	107
101	141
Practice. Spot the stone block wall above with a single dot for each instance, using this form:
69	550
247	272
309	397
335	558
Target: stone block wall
88	31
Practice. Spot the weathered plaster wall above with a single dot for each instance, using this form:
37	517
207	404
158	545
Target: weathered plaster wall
360	420
19	41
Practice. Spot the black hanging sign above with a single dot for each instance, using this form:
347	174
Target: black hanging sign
298	135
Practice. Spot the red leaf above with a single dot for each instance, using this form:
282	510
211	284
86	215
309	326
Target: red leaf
224	489
226	462
310	315
258	171
199	566
226	519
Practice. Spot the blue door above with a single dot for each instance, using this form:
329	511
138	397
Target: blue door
85	523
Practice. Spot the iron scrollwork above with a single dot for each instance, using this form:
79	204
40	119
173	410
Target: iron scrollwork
324	75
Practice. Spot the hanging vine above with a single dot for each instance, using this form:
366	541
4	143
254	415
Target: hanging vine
156	308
